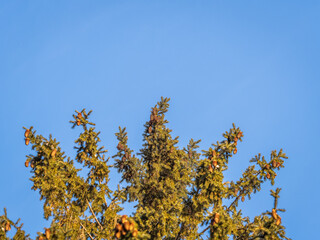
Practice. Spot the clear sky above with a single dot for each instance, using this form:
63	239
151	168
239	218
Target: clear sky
254	63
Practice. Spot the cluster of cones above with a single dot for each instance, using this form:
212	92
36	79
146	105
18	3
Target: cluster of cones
274	165
276	217
125	228
214	162
26	135
154	118
7	226
121	147
79	117
239	135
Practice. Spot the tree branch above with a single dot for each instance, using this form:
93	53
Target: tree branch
86	231
94	214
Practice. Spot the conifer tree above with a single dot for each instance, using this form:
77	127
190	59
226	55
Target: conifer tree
180	194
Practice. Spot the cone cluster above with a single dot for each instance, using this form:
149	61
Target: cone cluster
26	135
239	135
214	162
127	154
154	117
276	164
125	228
120	146
79	117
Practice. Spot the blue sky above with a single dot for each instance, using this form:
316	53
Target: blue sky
254	63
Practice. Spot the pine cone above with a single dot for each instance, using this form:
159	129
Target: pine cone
135	233
119	227
26	133
120	146
131	226
274	214
48	233
8	227
118	235
53	153
127	226
216	217
215	163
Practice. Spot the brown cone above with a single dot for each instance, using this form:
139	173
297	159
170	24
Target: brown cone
216	217
278	220
131	226
27	141
274	214
124	218
47	232
53	153
26	163
119	227
135	233
26	133
8	226
120	146
118	235
215	163
127	226
235	151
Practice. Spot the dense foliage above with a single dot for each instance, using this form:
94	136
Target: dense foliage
179	193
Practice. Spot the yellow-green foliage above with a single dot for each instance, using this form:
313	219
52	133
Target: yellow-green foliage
177	191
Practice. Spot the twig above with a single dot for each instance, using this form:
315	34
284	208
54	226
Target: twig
204	230
86	231
240	193
110	202
94	215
